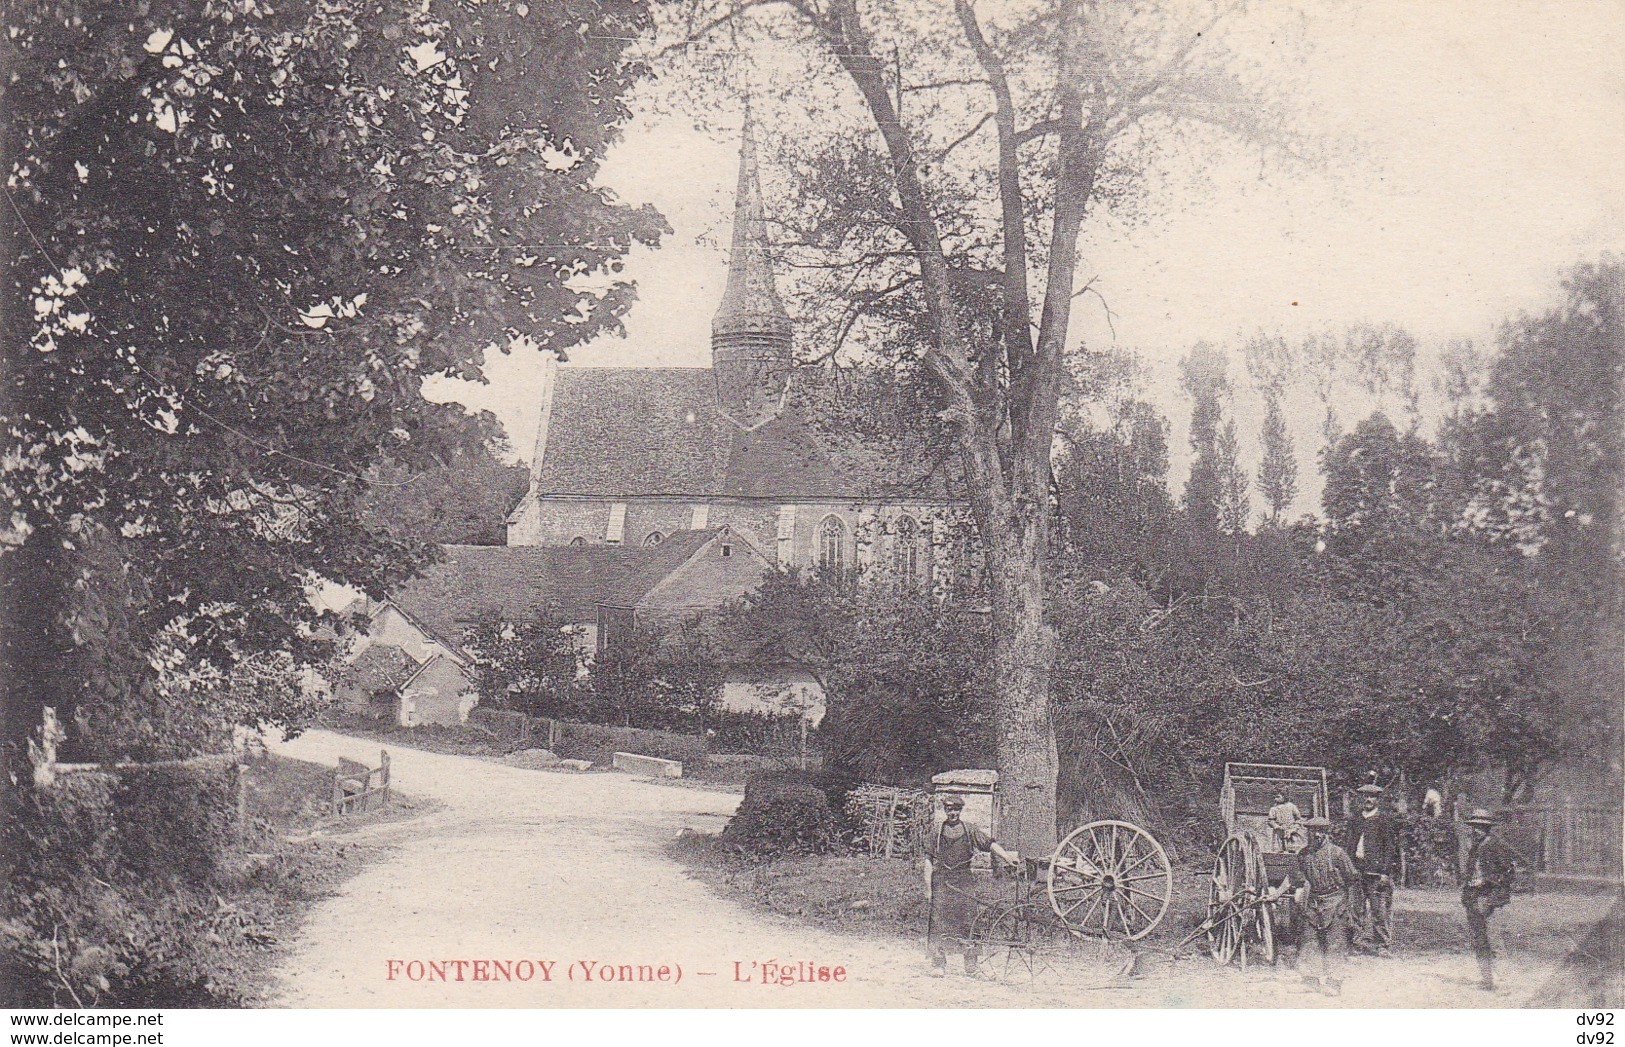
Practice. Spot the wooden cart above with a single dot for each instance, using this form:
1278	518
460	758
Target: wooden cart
1107	882
1241	922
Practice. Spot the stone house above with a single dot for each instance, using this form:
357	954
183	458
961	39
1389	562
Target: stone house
407	660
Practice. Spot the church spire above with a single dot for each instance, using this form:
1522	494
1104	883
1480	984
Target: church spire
751	333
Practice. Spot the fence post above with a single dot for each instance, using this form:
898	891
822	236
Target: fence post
242	801
338	793
1568	834
383	774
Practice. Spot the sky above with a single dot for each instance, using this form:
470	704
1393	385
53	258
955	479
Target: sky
1482	152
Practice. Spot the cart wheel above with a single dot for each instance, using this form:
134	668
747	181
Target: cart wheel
1237	926
1257	925
1110	880
1226	885
1016	942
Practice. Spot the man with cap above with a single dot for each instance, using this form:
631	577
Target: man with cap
1373	842
951	885
1324	878
1285	819
1488	887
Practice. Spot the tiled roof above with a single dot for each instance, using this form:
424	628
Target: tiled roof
379	667
516	582
626	432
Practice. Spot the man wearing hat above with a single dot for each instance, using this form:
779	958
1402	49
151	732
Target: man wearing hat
1488	887
951	886
1373	844
1324	878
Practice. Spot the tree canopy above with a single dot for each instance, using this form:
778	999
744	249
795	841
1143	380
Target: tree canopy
239	236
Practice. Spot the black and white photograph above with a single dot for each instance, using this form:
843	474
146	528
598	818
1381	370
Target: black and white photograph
838	505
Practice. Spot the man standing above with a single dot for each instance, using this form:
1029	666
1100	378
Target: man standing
1488	887
1373	843
1464	836
1284	819
1324	877
951	886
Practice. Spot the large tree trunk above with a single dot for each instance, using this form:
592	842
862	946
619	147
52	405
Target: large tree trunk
1023	654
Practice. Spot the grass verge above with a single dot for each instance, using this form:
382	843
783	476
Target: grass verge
863	896
300	855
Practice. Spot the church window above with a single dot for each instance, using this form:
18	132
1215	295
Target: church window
653	538
907	549
578	540
832	544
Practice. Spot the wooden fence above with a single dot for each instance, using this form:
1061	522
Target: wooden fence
522	728
1568	841
357	787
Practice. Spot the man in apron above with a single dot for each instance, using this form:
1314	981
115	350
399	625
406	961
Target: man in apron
1324	877
951	886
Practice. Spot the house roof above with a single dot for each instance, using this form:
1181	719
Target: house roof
512	582
618	432
378	666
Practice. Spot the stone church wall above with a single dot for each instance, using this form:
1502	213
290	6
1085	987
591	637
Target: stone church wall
644	518
550	522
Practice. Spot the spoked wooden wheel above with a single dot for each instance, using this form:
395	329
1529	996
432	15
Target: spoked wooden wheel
1237	923
1110	880
1016	943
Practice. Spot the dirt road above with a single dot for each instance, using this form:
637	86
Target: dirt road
568	872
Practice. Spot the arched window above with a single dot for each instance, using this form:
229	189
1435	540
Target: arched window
906	551
832	544
653	538
578	540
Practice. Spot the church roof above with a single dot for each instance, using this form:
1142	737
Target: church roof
523	581
640	431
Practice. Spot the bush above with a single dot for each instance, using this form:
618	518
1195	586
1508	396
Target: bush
596	742
110	895
761	733
174	821
784	814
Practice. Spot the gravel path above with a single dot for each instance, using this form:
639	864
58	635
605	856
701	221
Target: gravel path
569	869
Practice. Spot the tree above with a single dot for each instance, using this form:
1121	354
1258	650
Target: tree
464	501
1215	503
1111	471
1234	508
530	664
1538	459
950	177
667	677
902	672
1277	466
239	236
1377	476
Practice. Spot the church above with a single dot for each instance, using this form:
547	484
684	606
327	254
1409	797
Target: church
633	455
662	494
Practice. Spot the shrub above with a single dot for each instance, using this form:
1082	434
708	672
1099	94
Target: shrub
784	814
110	895
596	742
762	733
174	821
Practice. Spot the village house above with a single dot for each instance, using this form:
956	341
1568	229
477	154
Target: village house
407	661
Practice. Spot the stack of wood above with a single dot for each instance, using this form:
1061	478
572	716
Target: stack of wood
892	822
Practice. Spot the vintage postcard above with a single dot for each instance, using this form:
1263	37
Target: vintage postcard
817	504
